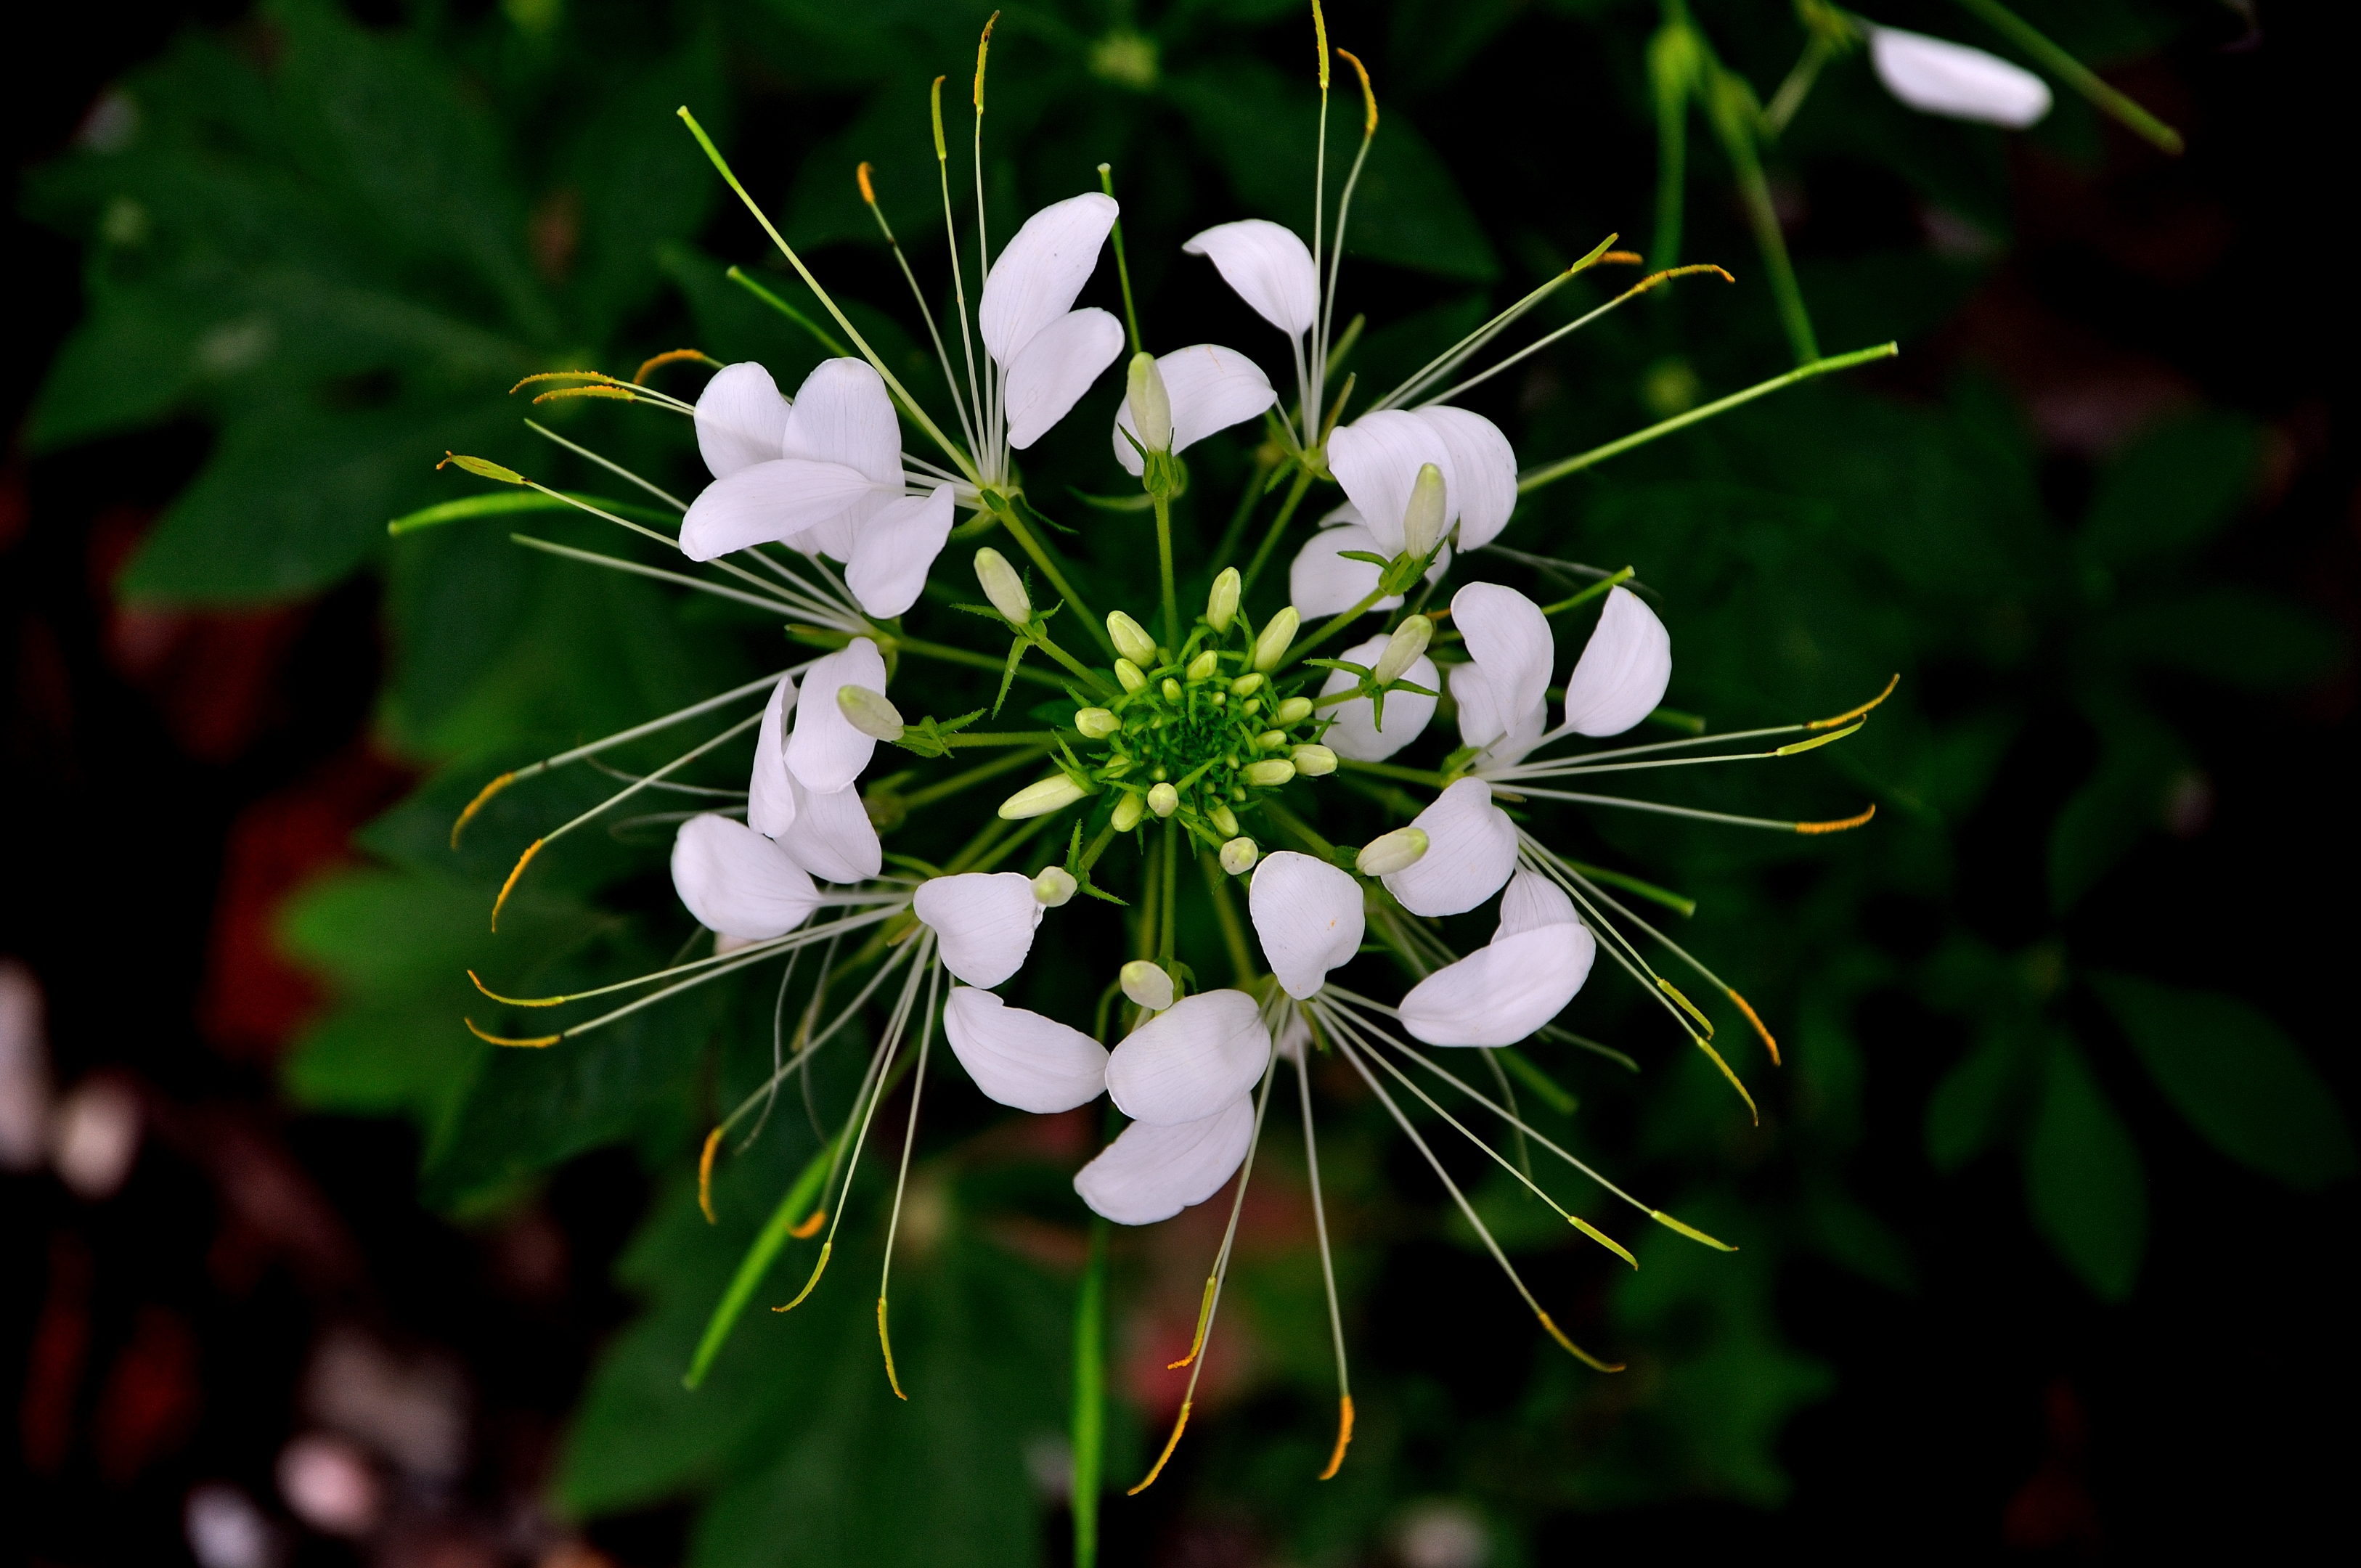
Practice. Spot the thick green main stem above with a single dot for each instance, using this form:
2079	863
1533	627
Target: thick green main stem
791	1213
1734	116
1089	1427
1164	567
2075	74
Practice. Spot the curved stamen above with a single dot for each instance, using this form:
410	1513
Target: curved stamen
902	1179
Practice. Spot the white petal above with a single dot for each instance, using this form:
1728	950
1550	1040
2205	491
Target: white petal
1529	902
1036	280
1307	915
984	922
1377	459
826	752
785	499
832	836
1021	1059
843	414
1211	388
740	419
1355	733
1056	369
1508	638
1152	1173
1471	847
1321	582
770	798
1502	992
1268	266
1938	77
893	552
1190	1060
1483	473
1484	722
1624	670
738	883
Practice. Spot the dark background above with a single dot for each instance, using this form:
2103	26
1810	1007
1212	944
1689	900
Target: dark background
170	776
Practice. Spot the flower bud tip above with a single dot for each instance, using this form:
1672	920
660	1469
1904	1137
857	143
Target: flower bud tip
1148	985
869	712
1002	586
1391	852
1053	887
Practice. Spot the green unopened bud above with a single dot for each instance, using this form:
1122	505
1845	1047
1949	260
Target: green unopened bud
1097	723
1163	800
1204	664
1294	710
1391	852
1144	980
1247	684
1422	521
869	712
1171	689
1224	820
1131	639
1271	740
1223	602
1273	645
1151	406
1053	887
1239	855
1270	772
1040	799
1409	641
1127	813
1002	586
1314	761
1129	675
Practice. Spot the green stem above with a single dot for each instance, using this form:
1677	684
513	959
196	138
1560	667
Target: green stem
1168	935
1333	625
1122	270
1647	889
1278	526
944	789
1238	518
1668	73
1426	776
791	1212
1038	739
1089	1427
1225	912
1587	595
951	655
1597	454
1032	546
1088	676
1301	830
1164	569
1734	116
745	280
2077	75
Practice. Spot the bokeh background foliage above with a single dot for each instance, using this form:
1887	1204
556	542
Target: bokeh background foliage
337	242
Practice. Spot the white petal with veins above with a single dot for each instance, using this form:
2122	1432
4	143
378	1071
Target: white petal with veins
1938	77
894	550
1210	387
1355	733
1268	266
1377	459
1022	1059
1532	901
769	797
1307	915
1053	370
1190	1060
787	499
1471	847
738	883
1151	1173
1502	992
740	419
832	836
826	752
983	920
1482	472
1624	670
1508	638
843	414
1035	279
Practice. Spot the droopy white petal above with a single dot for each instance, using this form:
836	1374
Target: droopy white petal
1508	638
1210	389
1483	722
893	552
1321	582
826	752
785	499
843	414
1938	77
1624	670
1529	902
1482	474
738	883
1355	733
1056	369
1471	847
1191	1060
1268	266
1377	459
740	419
1307	915
984	922
770	798
1038	276
1151	1173
1021	1059
1502	992
832	836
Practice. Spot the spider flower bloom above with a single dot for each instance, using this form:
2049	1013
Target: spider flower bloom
1206	387
1185	1077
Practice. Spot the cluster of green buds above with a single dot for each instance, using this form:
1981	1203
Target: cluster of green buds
1201	735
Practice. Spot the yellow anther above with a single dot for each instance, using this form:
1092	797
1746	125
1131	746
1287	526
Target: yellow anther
1573	1349
810	1227
1344	1401
1756	1019
1603	1239
1624	258
705	1176
1369	95
942	153
1840	826
1856	712
868	191
1320	28
523	861
1669	989
1751	1109
515	1001
982	48
1170	1443
533	1043
1204	1311
886	1344
817	1269
1688	1230
672	356
481	468
599	376
1668	274
1792	746
473	806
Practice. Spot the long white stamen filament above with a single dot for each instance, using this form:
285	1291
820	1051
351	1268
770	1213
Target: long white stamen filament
1573	326
609	464
1772	824
670	785
864	1109
823	605
909	1139
813	1042
1575	767
1335	262
926	312
1587	759
1327	1264
1459	353
770	600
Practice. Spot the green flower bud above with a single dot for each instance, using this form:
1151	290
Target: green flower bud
1053	887
1294	710
1144	980
1040	799
1002	586
1131	639
1270	772
1223	602
1247	684
869	712
1163	800
1422	521
1391	852
1171	689
1204	664
1127	813
1097	723
1271	740
1224	820
1273	645
1314	761
1239	855
1151	405
1409	641
1129	675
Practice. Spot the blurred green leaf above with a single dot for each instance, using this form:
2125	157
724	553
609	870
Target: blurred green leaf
1980	1100
2083	1179
2238	1079
2172	488
2237	636
2121	802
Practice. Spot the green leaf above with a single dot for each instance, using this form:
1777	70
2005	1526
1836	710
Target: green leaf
2119	804
1977	1102
2236	1078
2172	488
2083	1179
2237	636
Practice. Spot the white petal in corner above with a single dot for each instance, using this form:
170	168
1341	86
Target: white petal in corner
1471	847
1624	670
1508	638
738	883
1040	271
1485	721
1212	388
1502	992
1355	733
769	797
1021	1059
843	414
781	500
1152	1173
1190	1061
832	836
1483	473
1936	77
984	922
740	419
1377	459
1307	915
893	552
1268	266
1532	901
1056	369
826	752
